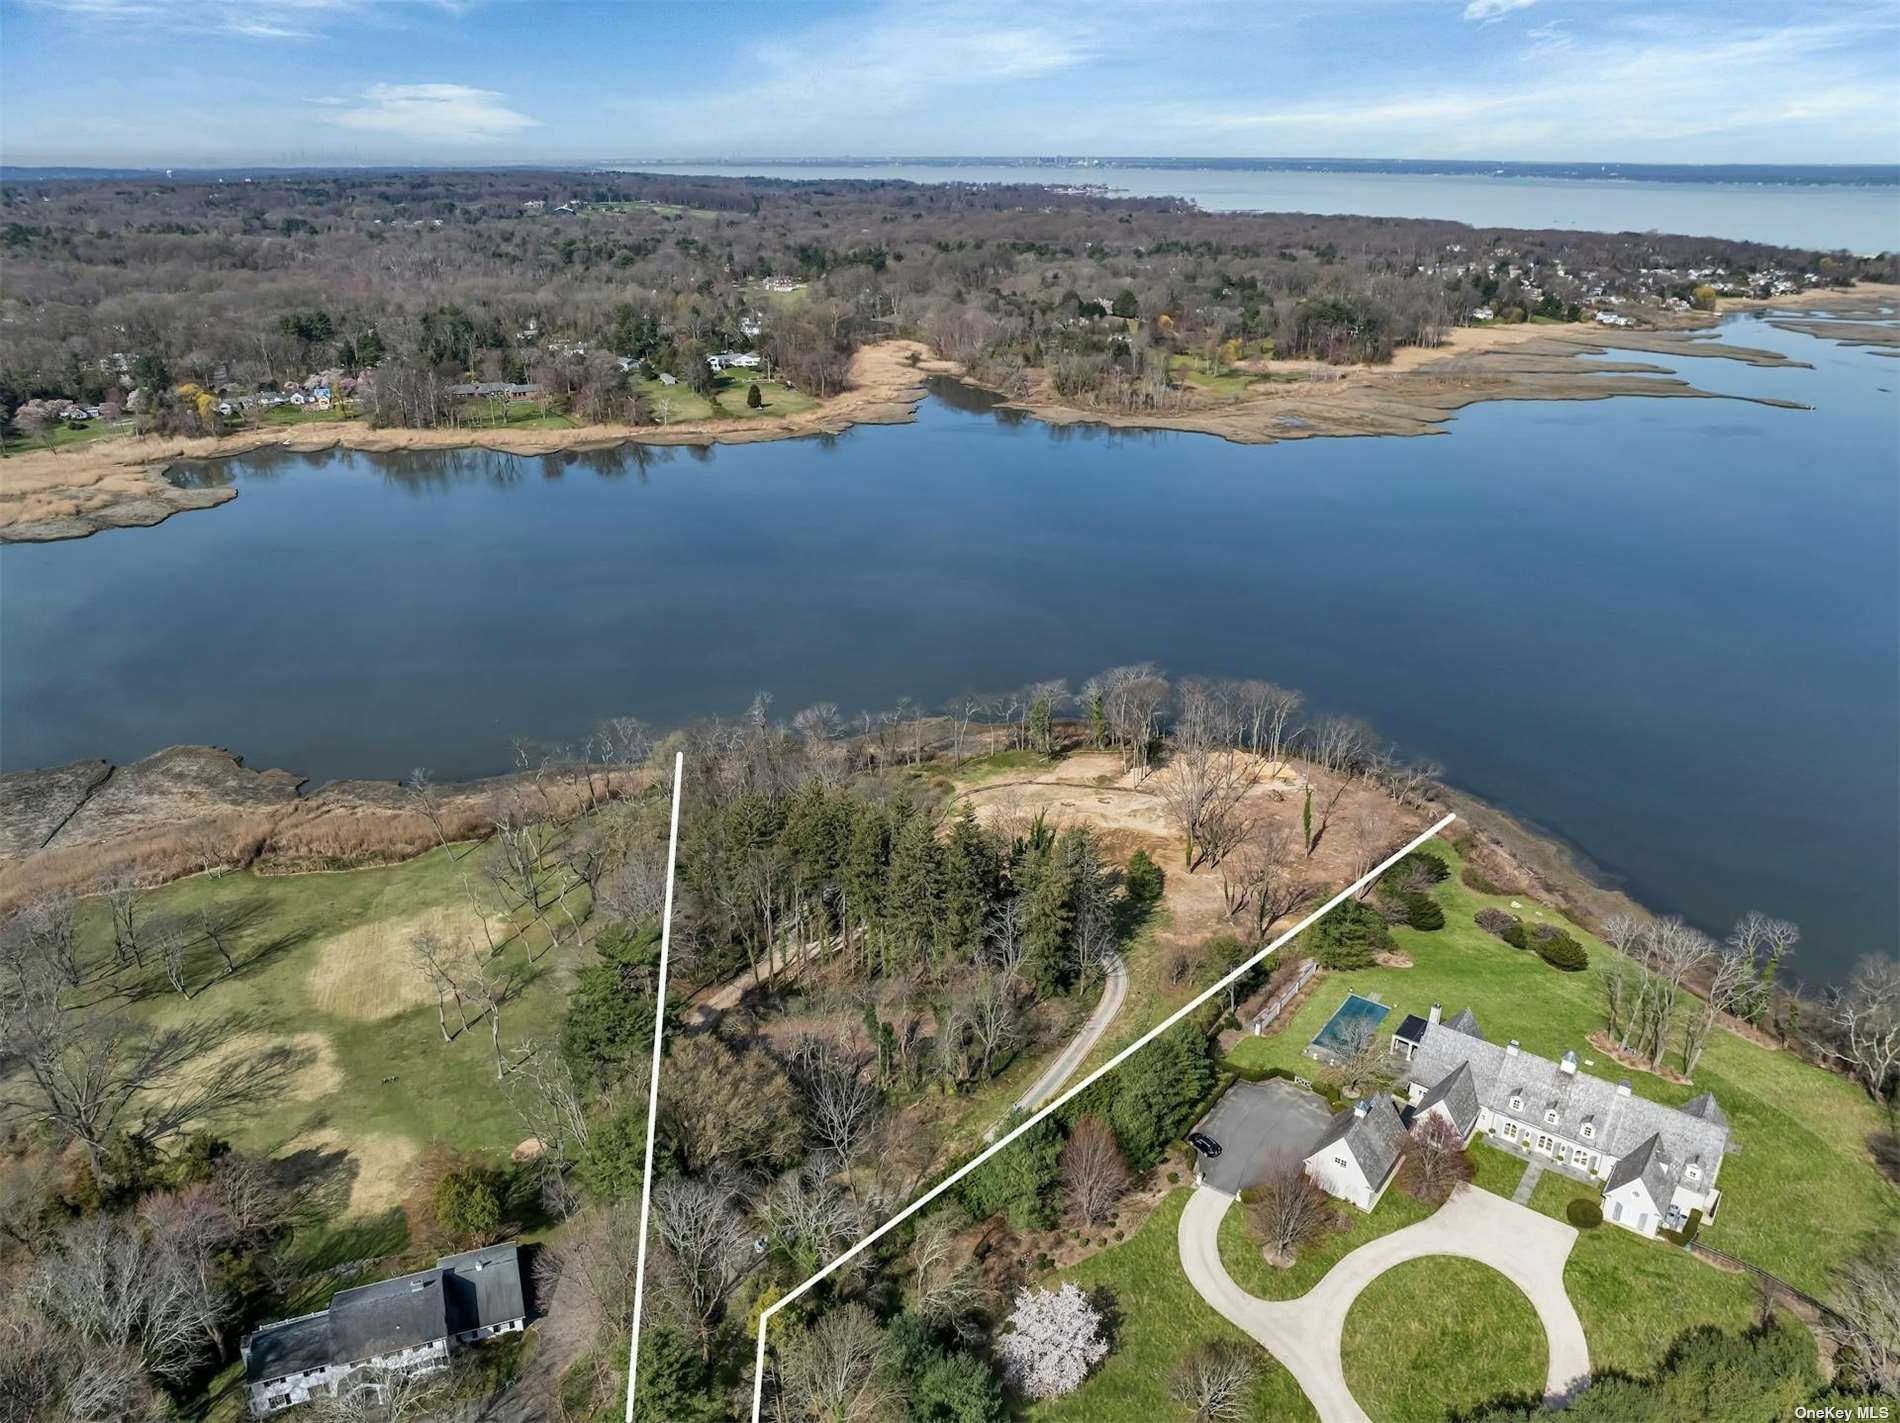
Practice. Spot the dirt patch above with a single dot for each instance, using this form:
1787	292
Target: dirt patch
1393	960
1128	811
380	1165
310	1059
1601	1041
365	973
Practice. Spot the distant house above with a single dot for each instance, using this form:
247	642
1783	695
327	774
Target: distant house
408	1324
1482	313
1612	318
1656	1163
667	378
745	360
1359	1154
508	389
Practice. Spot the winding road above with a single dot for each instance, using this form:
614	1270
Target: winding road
1114	994
1527	1248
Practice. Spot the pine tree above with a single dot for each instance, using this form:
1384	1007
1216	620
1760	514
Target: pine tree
1306	820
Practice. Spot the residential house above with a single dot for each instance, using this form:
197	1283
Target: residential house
409	1324
1358	1156
1656	1164
746	360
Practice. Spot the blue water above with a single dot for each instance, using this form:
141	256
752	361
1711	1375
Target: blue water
1860	219
1667	629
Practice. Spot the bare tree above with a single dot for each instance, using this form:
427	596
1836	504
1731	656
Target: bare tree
1766	944
706	1250
387	1394
125	903
1288	1211
1095	1174
1730	981
946	1287
1864	1323
1435	1161
1264	880
1864	1025
1215	1381
114	1283
218	924
431	958
1203	791
44	932
809	1218
1365	1061
1672	952
835	1372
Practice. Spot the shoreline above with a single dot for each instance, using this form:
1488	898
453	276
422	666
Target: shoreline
49	496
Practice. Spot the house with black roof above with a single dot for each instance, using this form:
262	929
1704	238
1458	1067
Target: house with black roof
407	1325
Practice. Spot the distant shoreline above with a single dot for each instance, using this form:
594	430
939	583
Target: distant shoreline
48	496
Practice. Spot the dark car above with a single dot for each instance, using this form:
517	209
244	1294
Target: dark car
1204	1144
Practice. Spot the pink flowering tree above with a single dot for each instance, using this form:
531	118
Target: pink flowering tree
1054	1339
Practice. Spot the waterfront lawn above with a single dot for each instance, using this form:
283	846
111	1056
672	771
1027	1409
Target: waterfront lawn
1411	1358
1617	1279
1158	1319
1800	1132
65	436
321	975
1192	370
780	399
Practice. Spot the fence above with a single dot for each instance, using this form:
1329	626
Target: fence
1772	1284
1266	1015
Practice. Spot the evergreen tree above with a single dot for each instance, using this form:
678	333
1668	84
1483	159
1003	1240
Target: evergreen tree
972	884
914	895
1160	1087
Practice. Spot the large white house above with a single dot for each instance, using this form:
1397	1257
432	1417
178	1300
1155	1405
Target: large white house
1656	1163
407	1324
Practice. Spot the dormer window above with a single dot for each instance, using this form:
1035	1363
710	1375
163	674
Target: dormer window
1589	1130
1693	1171
1551	1116
1517	1104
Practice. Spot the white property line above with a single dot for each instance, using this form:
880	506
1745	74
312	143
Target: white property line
765	1318
653	1082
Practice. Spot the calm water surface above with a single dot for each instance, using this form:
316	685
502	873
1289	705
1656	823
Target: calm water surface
1667	629
1862	219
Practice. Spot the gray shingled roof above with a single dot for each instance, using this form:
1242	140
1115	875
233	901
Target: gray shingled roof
1374	1139
1650	1162
1622	1123
388	1316
279	1350
1459	1093
1466	1022
1705	1107
484	1287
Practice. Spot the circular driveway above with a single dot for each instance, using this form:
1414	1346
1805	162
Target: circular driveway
1525	1247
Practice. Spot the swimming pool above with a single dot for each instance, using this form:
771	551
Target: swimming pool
1351	1024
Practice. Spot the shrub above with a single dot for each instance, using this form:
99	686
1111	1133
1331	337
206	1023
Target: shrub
1495	921
1559	950
1431	866
1143	879
1422	912
1688	1231
753	399
1474	879
1349	936
1583	1213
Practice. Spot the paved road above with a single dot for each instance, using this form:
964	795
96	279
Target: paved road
1304	1334
1261	1127
1114	994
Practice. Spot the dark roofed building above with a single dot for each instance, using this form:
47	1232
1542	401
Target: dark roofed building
407	1324
389	1319
483	1291
1455	1099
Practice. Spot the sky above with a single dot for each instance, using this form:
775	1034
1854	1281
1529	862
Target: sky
161	83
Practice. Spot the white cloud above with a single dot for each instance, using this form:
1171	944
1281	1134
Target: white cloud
428	113
1487	12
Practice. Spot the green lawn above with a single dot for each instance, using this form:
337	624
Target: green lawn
1161	1318
321	970
65	436
1410	1359
1801	1132
1613	1278
1240	1247
1192	370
